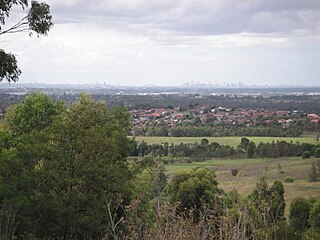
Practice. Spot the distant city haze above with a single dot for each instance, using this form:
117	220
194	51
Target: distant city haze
170	43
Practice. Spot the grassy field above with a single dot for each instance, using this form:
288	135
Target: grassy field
251	170
232	141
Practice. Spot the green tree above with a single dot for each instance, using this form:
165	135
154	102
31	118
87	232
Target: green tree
61	179
260	199
204	142
244	142
22	149
8	67
121	113
314	218
306	154
36	112
86	170
251	149
268	206
37	20
277	201
317	153
192	189
299	214
313	174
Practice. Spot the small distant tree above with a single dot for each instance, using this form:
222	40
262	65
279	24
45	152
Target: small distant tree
280	169
234	172
288	180
313	175
204	142
250	150
244	142
306	154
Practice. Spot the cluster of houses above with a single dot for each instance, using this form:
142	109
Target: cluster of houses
218	115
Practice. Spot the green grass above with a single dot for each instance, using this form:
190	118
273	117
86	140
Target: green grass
212	164
232	141
251	170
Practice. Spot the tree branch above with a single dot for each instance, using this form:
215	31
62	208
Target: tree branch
15	28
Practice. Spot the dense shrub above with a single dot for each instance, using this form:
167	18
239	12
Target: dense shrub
306	154
299	214
234	172
313	174
193	190
288	180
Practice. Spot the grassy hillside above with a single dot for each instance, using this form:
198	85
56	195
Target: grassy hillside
232	141
251	170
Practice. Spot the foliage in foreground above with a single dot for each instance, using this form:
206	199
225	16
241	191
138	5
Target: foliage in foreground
62	168
64	175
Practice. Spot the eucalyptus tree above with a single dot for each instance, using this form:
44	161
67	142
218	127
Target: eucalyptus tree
37	19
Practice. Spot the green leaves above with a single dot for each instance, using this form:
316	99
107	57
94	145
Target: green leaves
35	113
8	67
64	164
268	203
6	6
190	190
39	18
299	214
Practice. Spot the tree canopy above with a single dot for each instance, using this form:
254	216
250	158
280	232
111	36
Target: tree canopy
63	168
191	190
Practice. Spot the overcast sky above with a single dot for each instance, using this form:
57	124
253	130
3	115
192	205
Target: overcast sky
171	42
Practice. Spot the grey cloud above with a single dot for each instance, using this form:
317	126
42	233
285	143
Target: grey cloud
196	17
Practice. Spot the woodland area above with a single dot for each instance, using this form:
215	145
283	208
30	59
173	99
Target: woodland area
205	150
64	174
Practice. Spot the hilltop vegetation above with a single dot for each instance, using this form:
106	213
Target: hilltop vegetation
62	168
64	174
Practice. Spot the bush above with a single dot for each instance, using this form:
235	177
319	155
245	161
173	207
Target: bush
306	154
314	219
313	175
234	172
311	234
288	180
299	214
194	189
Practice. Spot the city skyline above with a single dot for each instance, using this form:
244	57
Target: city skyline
170	43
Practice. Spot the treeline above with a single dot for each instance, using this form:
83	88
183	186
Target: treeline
218	131
205	150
